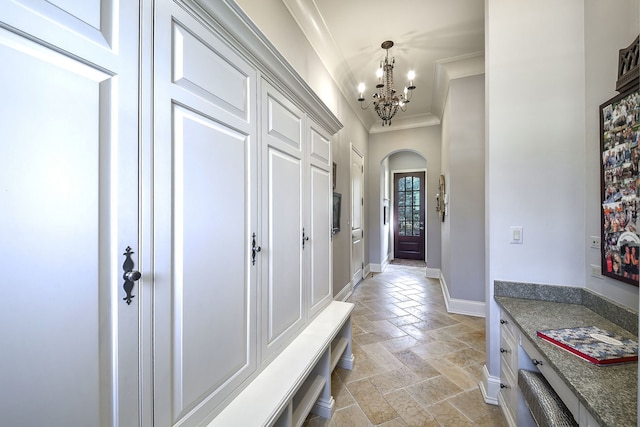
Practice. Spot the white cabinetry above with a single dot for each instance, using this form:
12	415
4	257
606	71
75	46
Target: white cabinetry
69	209
296	230
281	238
517	352
537	362
205	213
510	400
241	218
169	130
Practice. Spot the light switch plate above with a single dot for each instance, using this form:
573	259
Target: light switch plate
516	234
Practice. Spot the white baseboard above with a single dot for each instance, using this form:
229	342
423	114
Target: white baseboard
377	268
461	306
324	408
344	293
367	270
489	387
433	273
508	416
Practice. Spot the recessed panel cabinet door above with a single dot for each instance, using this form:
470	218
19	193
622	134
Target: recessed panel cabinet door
68	211
320	204
204	218
282	221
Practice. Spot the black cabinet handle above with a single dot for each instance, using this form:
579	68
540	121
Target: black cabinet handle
130	275
254	249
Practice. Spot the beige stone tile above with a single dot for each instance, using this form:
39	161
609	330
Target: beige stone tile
471	404
405	320
394	380
384	327
371	401
410	410
417	364
475	371
363	367
340	393
495	418
456	375
435	348
433	390
401	343
466	357
443	336
474	339
412	357
361	310
382	356
457	329
418	311
415	332
447	415
474	322
408	304
349	416
372	337
430	323
400	297
396	422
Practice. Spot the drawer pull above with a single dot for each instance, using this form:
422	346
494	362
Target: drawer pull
504	350
502	321
503	385
536	362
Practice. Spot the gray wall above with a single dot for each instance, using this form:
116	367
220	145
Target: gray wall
424	141
607	29
542	146
463	167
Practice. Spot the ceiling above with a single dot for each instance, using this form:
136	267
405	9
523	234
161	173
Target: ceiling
438	39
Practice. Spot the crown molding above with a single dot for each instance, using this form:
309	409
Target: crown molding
450	69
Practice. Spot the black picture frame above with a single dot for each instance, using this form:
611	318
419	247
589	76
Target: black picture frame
337	206
620	186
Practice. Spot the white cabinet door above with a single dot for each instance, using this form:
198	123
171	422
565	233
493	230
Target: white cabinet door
69	208
282	225
205	204
357	216
320	220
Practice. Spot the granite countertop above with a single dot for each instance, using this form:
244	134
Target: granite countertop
608	392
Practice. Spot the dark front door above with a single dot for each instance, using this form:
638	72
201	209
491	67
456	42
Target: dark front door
409	215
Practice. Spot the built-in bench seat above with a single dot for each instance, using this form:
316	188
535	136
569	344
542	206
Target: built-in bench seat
298	380
545	405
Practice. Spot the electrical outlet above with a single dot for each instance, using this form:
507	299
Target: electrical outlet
595	242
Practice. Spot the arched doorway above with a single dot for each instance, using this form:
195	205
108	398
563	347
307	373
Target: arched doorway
405	189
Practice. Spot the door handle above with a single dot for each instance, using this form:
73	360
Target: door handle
305	238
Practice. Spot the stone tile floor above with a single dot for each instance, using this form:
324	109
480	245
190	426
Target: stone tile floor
415	364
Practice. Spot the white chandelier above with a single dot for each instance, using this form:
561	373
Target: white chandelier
385	101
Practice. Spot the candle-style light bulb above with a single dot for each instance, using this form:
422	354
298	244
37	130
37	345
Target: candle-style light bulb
379	74
361	90
411	75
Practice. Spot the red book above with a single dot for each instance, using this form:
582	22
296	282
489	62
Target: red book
593	344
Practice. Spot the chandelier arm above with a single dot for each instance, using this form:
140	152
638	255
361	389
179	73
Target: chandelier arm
363	106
